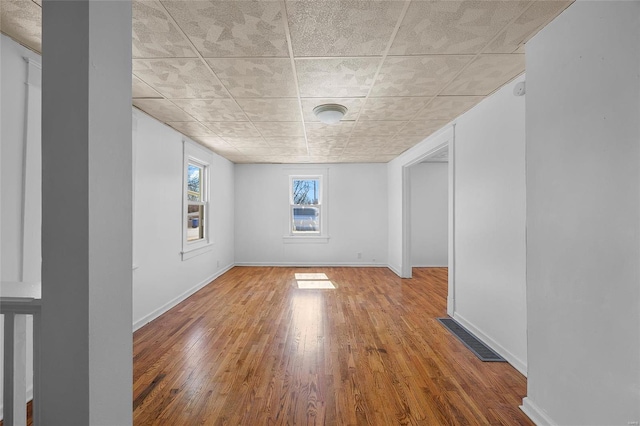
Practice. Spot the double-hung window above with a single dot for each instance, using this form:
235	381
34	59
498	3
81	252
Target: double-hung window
195	217
305	205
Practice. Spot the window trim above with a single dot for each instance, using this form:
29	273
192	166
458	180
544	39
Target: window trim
193	154
291	237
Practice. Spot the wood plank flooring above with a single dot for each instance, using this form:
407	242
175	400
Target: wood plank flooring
253	349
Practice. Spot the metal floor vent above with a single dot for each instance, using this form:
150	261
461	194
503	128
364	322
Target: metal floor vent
482	351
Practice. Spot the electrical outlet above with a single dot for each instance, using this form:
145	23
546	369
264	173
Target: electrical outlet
359	255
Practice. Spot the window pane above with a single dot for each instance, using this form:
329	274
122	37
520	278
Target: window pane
306	219
194	183
306	191
195	222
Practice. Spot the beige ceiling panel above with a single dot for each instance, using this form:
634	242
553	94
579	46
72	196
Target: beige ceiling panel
154	35
392	109
207	110
140	89
486	74
453	26
256	77
317	131
341	28
421	127
317	151
369	142
279	128
162	109
353	106
367	158
405	142
336	77
274	151
376	128
22	21
527	25
232	28
191	128
271	109
317	159
245	143
284	141
179	78
447	107
328	142
417	75
233	128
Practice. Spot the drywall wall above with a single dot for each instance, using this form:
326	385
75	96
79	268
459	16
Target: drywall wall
429	211
355	205
490	209
583	228
160	277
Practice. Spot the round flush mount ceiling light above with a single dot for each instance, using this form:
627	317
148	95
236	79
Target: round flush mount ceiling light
330	113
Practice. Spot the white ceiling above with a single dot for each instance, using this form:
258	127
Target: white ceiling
242	77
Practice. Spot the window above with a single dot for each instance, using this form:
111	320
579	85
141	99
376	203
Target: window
306	208
195	223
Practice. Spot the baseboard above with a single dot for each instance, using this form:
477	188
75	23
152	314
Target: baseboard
535	413
170	304
394	270
504	353
314	264
29	398
429	266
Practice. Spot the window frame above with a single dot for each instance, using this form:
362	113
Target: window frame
194	155
322	235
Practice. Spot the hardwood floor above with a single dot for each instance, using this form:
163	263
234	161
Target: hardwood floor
253	349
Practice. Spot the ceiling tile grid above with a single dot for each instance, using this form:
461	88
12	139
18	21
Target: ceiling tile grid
243	77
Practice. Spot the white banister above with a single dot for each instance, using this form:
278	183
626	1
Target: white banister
17	301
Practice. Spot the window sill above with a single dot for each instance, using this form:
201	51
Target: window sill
301	239
189	254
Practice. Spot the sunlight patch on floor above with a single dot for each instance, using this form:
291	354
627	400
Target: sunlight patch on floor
313	280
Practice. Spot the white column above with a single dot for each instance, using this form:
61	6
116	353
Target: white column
86	340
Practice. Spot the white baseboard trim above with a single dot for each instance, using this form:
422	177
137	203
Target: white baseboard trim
314	264
429	266
535	413
394	270
170	304
29	398
511	359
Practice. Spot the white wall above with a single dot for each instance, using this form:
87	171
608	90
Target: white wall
490	200
355	208
161	278
429	211
583	228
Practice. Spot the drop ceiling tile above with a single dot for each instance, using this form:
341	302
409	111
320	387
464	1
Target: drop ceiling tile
376	128
421	127
405	142
486	74
317	131
336	77
22	20
369	142
232	28
274	151
179	78
271	109
367	158
447	107
341	28
353	106
317	151
233	128
162	109
279	128
339	141
515	35
140	89
207	110
154	35
191	128
285	141
453	27
417	75
255	77
392	109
